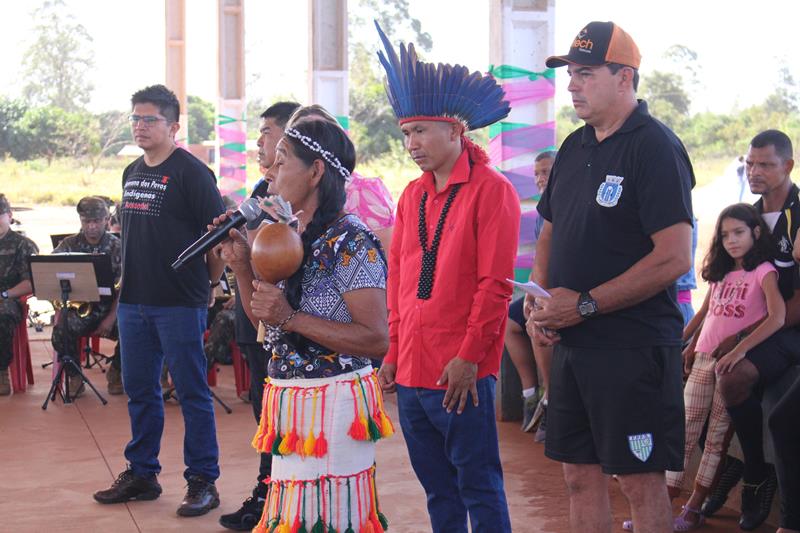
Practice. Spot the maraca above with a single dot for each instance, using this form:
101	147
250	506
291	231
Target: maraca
277	249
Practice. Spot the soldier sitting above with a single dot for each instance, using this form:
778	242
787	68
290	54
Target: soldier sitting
101	319
14	282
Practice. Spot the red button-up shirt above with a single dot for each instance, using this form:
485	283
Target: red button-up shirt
466	313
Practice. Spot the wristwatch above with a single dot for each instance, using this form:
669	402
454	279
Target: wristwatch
4	295
587	306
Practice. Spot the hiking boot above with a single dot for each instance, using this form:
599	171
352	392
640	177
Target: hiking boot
76	386
528	409
757	500
5	383
540	434
128	486
730	476
247	517
201	497
114	377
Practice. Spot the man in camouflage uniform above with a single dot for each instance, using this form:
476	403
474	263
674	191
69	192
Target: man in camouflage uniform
102	320
14	282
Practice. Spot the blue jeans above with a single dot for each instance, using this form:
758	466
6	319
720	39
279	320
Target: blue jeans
456	458
147	335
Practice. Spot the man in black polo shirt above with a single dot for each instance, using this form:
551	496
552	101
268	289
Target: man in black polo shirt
768	164
616	236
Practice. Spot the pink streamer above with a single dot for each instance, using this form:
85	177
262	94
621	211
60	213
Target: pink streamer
232	157
512	143
528	91
235	135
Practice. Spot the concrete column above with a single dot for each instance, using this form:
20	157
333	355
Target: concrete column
175	40
520	39
231	121
327	62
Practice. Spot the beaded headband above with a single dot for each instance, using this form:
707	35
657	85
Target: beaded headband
314	146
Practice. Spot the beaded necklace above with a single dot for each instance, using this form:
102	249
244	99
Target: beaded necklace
429	255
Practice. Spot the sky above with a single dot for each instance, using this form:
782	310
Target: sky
740	45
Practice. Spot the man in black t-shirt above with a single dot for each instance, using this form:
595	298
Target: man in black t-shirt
616	236
273	123
169	197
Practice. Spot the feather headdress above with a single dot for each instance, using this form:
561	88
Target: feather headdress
424	91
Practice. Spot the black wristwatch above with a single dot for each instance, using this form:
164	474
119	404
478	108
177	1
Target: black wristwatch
4	295
587	307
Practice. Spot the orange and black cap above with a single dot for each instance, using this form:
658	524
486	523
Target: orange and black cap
599	43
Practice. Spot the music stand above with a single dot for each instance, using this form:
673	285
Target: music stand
78	277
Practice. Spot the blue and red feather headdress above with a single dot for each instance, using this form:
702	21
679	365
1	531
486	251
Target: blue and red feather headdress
423	91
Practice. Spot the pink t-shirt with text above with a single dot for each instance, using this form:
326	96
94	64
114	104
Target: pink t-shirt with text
736	302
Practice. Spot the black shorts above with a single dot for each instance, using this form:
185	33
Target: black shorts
515	312
619	408
775	355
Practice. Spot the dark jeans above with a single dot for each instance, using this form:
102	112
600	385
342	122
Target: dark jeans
256	358
786	440
456	459
148	334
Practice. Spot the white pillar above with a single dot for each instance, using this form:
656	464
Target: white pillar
328	81
175	41
521	37
231	125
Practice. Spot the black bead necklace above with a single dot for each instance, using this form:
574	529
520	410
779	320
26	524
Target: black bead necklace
429	255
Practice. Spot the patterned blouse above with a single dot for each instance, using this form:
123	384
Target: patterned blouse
345	258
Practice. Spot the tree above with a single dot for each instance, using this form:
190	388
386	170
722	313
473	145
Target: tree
57	64
201	119
11	111
51	132
374	126
113	133
668	100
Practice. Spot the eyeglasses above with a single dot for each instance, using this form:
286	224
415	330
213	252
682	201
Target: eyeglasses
147	120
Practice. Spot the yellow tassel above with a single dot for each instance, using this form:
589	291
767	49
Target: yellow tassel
365	425
387	429
308	445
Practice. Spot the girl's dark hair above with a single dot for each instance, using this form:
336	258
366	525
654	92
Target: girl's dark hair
330	191
718	263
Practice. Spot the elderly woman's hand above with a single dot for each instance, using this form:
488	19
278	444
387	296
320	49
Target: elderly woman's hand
269	303
235	251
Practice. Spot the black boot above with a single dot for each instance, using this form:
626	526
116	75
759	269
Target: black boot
128	486
201	497
248	515
757	500
731	474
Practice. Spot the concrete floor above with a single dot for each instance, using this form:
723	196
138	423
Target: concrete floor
52	461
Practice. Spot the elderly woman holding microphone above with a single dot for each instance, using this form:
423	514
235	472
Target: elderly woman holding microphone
322	409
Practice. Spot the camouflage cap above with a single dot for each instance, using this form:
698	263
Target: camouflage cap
92	207
5	206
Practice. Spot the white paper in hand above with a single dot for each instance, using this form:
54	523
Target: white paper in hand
532	288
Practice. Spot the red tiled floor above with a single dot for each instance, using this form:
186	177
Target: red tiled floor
52	461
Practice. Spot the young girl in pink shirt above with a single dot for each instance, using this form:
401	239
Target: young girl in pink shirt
743	295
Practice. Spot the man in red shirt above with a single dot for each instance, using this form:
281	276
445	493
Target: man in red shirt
452	253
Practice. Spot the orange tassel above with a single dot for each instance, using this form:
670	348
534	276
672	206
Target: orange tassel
321	446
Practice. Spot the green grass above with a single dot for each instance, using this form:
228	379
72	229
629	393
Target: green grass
706	170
